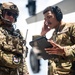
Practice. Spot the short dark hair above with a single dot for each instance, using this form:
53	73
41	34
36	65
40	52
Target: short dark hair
56	10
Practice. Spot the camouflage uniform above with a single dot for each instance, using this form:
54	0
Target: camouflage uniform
64	36
11	46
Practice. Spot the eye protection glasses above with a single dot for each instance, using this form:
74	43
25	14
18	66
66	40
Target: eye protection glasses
11	14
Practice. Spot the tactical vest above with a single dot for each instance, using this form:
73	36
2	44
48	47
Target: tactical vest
11	48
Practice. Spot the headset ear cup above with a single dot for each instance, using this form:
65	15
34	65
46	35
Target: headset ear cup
58	13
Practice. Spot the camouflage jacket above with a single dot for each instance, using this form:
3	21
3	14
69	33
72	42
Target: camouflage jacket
11	49
10	45
64	36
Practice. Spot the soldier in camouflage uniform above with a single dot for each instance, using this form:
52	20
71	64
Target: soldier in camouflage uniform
11	42
62	61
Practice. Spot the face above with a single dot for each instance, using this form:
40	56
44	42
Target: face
51	20
10	16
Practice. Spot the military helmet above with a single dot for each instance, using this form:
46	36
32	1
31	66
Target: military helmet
9	6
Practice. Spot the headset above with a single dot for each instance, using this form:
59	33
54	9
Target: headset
56	10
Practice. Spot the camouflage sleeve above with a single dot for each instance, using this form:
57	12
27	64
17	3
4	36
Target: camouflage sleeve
25	69
70	50
2	37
